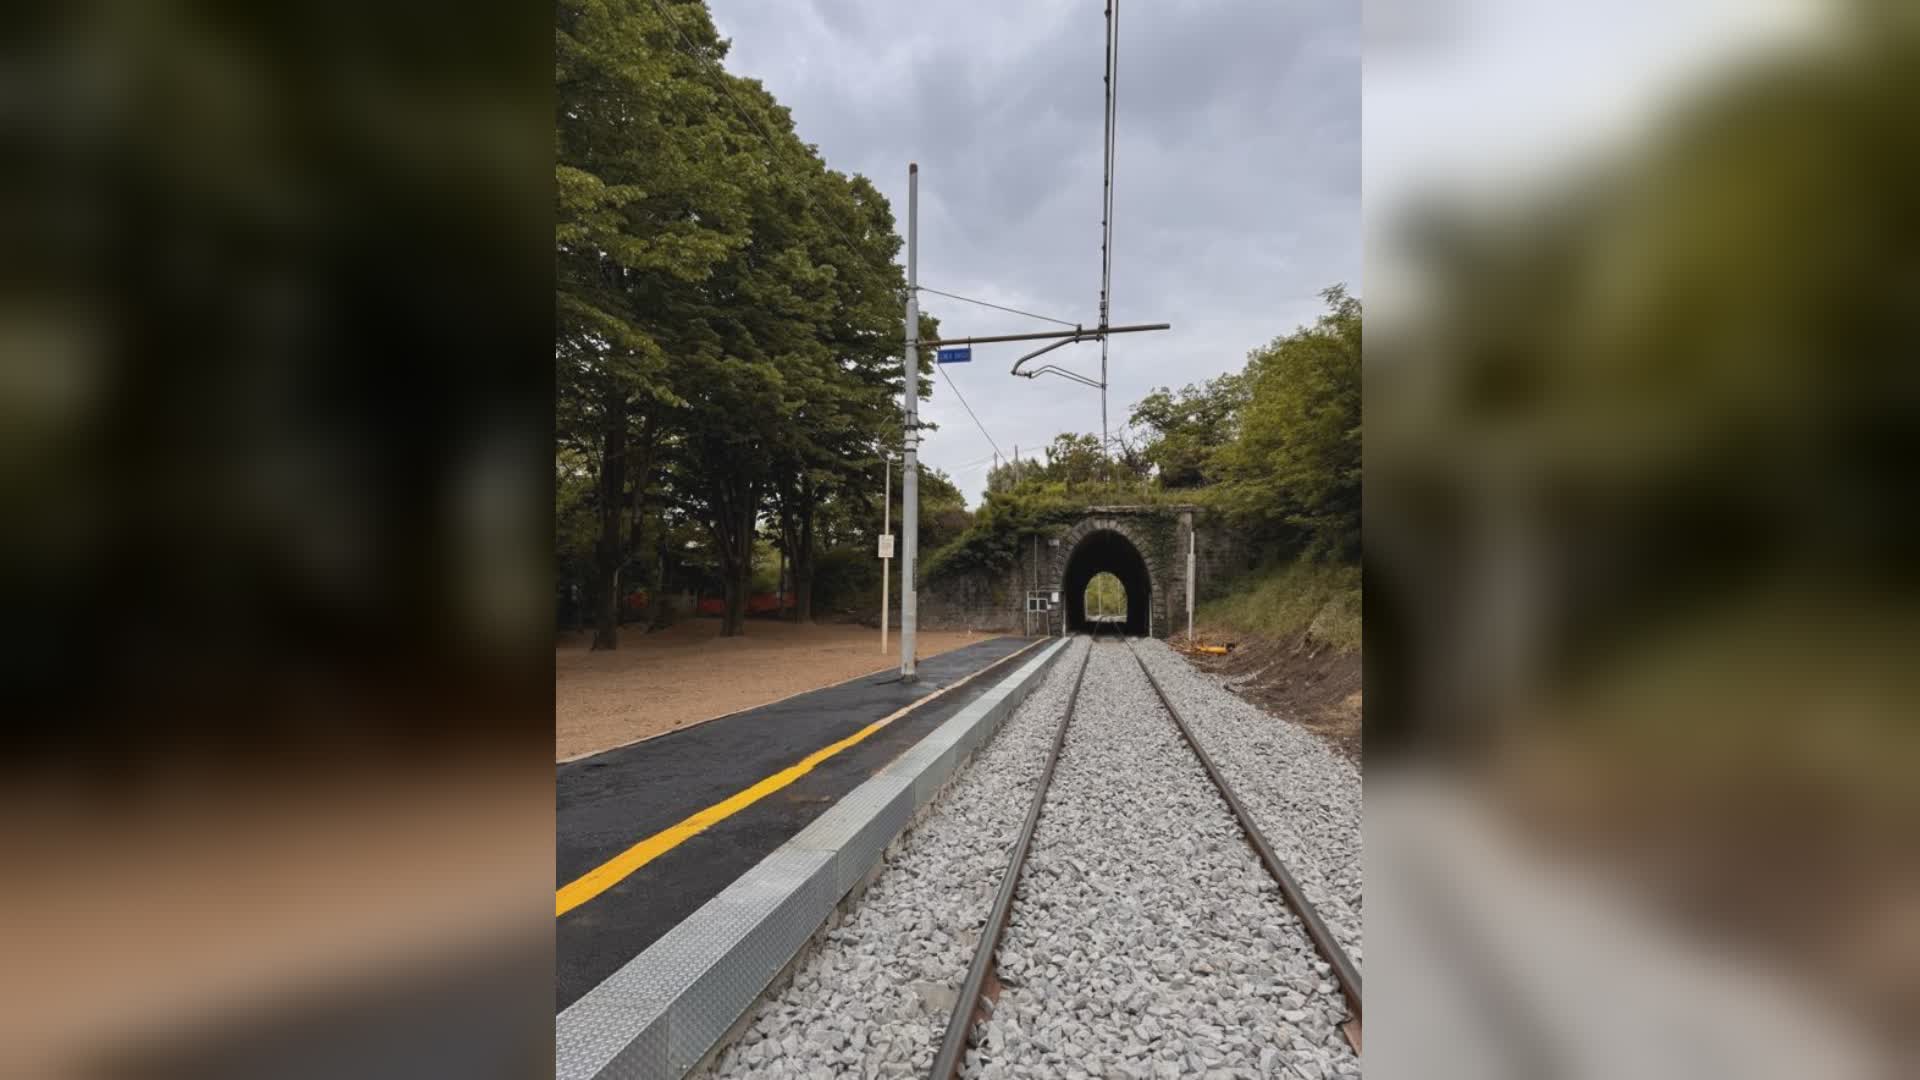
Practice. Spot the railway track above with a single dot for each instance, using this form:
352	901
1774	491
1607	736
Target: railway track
969	1006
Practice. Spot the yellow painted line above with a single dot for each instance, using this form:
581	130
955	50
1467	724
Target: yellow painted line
615	870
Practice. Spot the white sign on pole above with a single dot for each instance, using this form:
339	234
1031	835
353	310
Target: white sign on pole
886	545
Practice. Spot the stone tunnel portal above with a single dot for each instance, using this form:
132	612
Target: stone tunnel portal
1104	549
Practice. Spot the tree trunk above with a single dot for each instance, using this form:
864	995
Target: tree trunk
608	552
803	557
736	587
783	497
803	596
657	595
731	607
744	589
733	534
643	453
571	618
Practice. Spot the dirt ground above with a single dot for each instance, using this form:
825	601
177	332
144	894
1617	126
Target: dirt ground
687	673
1312	685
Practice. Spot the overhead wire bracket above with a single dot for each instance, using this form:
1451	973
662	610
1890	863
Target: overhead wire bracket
1058	337
1098	333
1056	369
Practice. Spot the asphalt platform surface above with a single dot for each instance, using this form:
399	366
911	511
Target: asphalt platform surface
608	802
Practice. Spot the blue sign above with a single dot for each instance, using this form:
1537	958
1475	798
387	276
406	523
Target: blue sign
961	355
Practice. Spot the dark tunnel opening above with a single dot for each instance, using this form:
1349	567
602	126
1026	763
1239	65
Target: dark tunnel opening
1109	551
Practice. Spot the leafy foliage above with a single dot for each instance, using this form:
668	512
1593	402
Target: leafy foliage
726	311
1296	456
1187	429
1105	595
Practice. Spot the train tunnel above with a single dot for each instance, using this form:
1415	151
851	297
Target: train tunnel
1109	551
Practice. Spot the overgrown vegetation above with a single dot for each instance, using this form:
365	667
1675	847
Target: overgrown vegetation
1275	447
996	535
1292	599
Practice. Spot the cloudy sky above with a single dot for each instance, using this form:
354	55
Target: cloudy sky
1237	190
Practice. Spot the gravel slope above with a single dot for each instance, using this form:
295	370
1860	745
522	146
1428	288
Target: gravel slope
1304	796
1146	939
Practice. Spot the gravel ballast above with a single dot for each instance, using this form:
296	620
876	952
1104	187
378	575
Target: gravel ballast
874	997
1304	796
1145	940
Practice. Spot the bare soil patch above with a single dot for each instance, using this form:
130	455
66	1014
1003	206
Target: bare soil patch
669	679
1305	682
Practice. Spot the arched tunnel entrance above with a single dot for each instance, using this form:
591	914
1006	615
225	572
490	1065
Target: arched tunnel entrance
1104	549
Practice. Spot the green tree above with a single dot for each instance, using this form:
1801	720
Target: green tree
1105	595
1185	430
943	509
727	308
649	180
1297	455
840	409
1073	460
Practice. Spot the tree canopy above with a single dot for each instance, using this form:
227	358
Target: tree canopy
1295	455
727	310
1184	431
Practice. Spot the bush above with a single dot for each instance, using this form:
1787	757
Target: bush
846	579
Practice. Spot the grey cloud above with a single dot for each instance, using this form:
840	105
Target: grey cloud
1237	186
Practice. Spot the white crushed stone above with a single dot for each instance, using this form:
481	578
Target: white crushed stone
874	997
1146	939
1304	795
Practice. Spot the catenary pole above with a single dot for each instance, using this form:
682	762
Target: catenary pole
1105	465
886	563
1190	550
910	465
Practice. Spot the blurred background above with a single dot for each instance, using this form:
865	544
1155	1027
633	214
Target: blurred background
1643	410
1643	395
275	395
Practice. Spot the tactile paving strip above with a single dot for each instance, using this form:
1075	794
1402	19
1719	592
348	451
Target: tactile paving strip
663	1010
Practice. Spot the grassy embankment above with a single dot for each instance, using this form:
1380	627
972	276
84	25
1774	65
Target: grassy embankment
1295	628
1315	601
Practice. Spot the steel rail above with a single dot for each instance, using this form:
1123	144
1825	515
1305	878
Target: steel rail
953	1045
1344	972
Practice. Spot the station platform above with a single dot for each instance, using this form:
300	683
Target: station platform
608	803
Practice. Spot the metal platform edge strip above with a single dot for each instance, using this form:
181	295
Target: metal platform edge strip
659	1015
